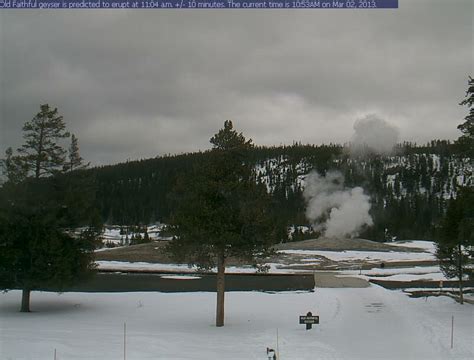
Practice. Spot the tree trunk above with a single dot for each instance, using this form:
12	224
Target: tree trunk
25	300
220	290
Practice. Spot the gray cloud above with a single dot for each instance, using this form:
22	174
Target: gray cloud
136	84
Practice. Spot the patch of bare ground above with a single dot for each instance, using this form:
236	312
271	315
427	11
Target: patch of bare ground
153	252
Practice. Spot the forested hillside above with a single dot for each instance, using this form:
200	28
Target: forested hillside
409	189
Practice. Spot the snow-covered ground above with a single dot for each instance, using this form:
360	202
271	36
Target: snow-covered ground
400	274
355	323
368	323
428	253
365	255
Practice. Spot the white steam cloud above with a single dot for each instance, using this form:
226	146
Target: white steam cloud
334	209
374	134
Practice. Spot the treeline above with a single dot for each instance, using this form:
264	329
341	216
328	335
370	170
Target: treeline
136	192
409	190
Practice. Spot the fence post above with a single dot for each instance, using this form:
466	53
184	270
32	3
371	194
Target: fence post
124	341
452	331
278	348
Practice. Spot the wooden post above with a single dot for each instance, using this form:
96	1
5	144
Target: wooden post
278	348
124	341
54	354
309	326
452	331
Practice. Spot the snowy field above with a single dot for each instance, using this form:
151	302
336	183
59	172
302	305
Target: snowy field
370	323
355	323
428	253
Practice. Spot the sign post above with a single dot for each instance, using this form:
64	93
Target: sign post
309	320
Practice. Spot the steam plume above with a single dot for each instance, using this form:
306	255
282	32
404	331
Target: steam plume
338	211
374	134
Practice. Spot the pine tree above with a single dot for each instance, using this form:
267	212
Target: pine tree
37	255
36	208
221	211
146	237
467	127
74	160
41	152
138	239
37	252
455	247
13	168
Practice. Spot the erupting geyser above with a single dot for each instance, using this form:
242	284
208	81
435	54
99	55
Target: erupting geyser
334	209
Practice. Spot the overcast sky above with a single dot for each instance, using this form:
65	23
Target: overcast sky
137	84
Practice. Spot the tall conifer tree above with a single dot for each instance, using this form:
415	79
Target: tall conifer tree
14	169
74	159
41	152
467	127
222	211
455	247
37	252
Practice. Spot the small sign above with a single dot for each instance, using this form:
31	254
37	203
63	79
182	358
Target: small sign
309	320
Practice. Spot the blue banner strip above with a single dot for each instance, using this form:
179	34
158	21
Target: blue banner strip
198	4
